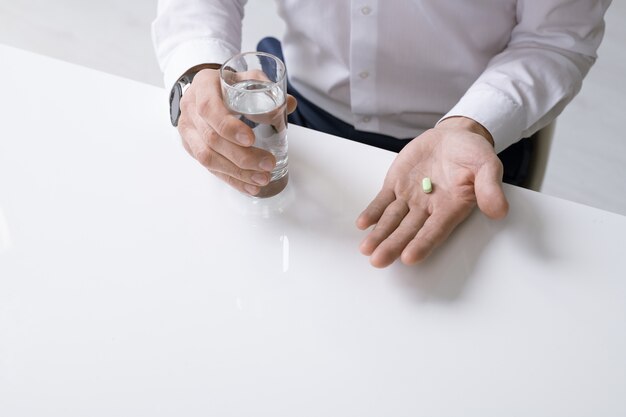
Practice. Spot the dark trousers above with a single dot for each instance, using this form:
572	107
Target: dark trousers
516	158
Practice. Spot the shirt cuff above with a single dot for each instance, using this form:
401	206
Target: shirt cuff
495	111
192	53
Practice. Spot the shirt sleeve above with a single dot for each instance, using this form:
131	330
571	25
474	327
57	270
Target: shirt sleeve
187	33
529	83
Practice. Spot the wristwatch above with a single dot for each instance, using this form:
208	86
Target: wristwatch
181	85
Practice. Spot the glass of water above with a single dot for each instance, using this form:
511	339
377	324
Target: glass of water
254	87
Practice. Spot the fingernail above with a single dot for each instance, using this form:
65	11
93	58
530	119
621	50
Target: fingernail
251	189
242	138
266	164
260	179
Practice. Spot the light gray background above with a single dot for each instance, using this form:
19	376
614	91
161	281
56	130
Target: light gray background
587	162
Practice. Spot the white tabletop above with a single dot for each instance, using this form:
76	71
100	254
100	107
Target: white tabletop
133	283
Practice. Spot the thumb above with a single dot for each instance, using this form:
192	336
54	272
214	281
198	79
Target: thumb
488	188
292	103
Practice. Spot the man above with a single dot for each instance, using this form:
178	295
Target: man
465	78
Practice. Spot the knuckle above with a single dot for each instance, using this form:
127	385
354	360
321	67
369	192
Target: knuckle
222	125
232	181
214	138
235	183
211	137
240	173
204	107
427	243
378	233
246	160
206	157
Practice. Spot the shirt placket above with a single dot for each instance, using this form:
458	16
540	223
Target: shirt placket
363	51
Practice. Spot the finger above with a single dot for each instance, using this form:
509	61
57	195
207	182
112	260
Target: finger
248	158
488	188
210	107
241	186
216	162
183	128
375	209
391	248
292	103
435	230
388	222
251	158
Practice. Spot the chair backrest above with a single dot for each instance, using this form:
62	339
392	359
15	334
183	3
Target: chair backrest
541	154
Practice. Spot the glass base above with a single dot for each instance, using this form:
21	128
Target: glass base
274	187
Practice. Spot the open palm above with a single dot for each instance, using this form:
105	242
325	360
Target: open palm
465	171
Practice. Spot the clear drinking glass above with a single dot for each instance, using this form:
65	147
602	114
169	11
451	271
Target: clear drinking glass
254	87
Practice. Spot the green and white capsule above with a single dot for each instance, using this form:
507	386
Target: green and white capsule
427	185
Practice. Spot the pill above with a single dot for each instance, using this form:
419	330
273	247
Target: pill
427	186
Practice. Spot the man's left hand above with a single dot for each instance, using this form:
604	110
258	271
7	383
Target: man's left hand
459	158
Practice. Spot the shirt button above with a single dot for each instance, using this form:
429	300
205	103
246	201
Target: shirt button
364	74
366	10
366	119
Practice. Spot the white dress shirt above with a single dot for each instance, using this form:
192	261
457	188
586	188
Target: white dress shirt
397	67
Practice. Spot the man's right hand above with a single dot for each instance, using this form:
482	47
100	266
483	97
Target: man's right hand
219	140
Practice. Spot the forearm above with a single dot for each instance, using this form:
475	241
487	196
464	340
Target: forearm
187	33
530	82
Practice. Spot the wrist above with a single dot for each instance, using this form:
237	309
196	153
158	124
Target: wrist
465	123
181	85
196	69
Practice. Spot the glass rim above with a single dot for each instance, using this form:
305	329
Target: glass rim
265	54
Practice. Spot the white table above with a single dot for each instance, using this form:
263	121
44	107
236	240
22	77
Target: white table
132	283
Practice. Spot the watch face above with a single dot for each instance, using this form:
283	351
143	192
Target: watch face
175	95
